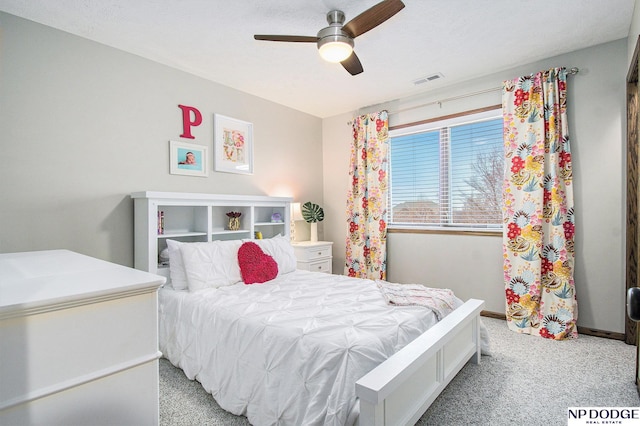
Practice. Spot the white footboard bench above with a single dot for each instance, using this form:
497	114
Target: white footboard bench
400	390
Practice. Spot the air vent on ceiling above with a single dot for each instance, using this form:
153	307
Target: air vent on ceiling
428	78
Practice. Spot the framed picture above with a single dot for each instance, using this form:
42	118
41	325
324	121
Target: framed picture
188	159
233	145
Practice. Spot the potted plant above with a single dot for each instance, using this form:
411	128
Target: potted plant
312	214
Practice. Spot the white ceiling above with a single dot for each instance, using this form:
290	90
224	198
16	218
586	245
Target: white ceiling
214	39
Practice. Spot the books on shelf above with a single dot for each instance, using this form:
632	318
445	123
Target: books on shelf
160	222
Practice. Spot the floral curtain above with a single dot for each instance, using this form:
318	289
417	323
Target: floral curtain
538	207
367	198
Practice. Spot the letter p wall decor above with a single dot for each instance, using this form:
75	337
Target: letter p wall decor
191	117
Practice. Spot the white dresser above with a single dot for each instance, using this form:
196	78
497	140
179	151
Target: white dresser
79	341
314	255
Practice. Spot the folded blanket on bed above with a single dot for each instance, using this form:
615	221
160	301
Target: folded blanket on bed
440	300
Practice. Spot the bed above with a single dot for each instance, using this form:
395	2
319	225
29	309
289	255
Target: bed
306	347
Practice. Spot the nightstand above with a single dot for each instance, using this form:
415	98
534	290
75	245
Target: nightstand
313	255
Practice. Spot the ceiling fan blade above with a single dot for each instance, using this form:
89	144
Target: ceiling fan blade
289	38
352	64
372	17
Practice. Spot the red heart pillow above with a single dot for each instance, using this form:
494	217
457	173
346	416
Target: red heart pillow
255	265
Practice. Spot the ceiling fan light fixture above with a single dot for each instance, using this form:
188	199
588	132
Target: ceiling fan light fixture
335	50
333	43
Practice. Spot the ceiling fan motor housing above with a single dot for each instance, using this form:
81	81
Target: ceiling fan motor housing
334	34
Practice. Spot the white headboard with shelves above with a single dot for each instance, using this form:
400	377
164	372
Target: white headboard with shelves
195	217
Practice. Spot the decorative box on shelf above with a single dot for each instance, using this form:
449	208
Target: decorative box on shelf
314	255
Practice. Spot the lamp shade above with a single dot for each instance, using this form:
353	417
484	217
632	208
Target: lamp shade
296	212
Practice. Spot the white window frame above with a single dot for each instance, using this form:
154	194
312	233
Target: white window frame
444	172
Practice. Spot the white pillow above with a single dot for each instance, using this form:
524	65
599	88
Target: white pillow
176	266
213	264
280	248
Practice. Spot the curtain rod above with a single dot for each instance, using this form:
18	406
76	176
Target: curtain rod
572	71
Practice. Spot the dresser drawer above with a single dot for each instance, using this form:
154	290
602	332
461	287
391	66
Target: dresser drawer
319	266
313	253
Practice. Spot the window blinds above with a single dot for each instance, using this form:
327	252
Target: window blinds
448	176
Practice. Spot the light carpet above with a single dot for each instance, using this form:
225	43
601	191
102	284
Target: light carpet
526	380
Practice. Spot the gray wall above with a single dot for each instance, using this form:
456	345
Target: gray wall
634	31
472	265
83	125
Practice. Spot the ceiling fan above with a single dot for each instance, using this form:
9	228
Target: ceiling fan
335	42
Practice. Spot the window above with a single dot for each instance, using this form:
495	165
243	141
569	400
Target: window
447	173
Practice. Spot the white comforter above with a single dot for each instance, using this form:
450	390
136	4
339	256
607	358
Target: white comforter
288	351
